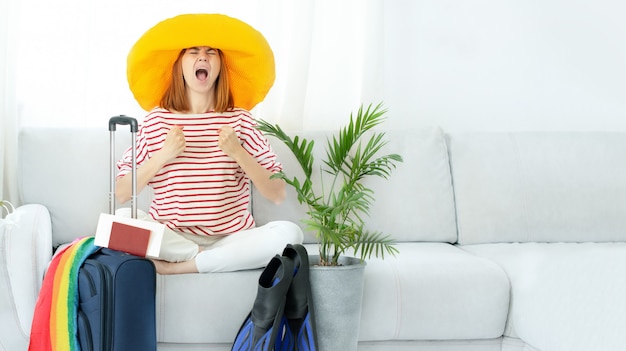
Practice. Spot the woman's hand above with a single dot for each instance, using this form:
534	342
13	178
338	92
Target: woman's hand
272	189
228	141
174	144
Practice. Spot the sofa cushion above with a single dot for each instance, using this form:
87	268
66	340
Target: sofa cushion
204	308
564	296
539	186
433	291
430	291
415	204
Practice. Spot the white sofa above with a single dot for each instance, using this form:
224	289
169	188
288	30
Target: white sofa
508	241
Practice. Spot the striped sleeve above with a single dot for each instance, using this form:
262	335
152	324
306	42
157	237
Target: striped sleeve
257	145
124	165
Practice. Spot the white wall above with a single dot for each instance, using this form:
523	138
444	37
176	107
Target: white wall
463	65
507	65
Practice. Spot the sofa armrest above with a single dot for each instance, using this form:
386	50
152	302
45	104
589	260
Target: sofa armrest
25	251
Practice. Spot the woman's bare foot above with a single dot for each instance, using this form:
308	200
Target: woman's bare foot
164	267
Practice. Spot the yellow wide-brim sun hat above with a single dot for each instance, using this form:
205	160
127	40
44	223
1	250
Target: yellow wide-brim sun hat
247	55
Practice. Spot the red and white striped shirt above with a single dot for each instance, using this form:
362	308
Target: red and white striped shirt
203	191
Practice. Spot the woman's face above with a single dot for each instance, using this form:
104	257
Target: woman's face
201	67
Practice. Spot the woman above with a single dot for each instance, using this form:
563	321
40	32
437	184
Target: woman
199	148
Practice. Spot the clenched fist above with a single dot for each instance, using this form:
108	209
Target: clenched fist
174	144
228	141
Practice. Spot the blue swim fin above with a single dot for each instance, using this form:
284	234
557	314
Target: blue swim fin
299	320
261	328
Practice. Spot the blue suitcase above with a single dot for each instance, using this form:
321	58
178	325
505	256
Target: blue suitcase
116	290
116	302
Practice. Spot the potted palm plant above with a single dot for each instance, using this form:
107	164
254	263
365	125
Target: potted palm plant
338	202
337	211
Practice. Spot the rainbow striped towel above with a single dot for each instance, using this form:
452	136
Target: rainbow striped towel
54	322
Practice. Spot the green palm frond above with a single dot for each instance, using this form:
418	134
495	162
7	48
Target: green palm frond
300	147
375	244
337	213
339	148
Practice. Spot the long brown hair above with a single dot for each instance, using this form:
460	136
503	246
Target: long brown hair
175	97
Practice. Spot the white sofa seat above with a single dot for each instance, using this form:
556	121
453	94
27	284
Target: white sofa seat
197	309
564	296
433	291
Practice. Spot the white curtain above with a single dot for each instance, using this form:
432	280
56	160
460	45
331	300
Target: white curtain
80	67
67	66
8	103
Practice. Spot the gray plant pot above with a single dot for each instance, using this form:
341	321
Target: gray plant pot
337	294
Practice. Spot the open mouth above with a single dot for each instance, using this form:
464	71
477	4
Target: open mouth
202	74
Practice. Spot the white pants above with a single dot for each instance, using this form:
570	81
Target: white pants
247	249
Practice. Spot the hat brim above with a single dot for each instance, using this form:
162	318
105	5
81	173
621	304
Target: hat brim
247	55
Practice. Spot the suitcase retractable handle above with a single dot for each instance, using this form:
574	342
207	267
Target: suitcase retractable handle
123	120
132	122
